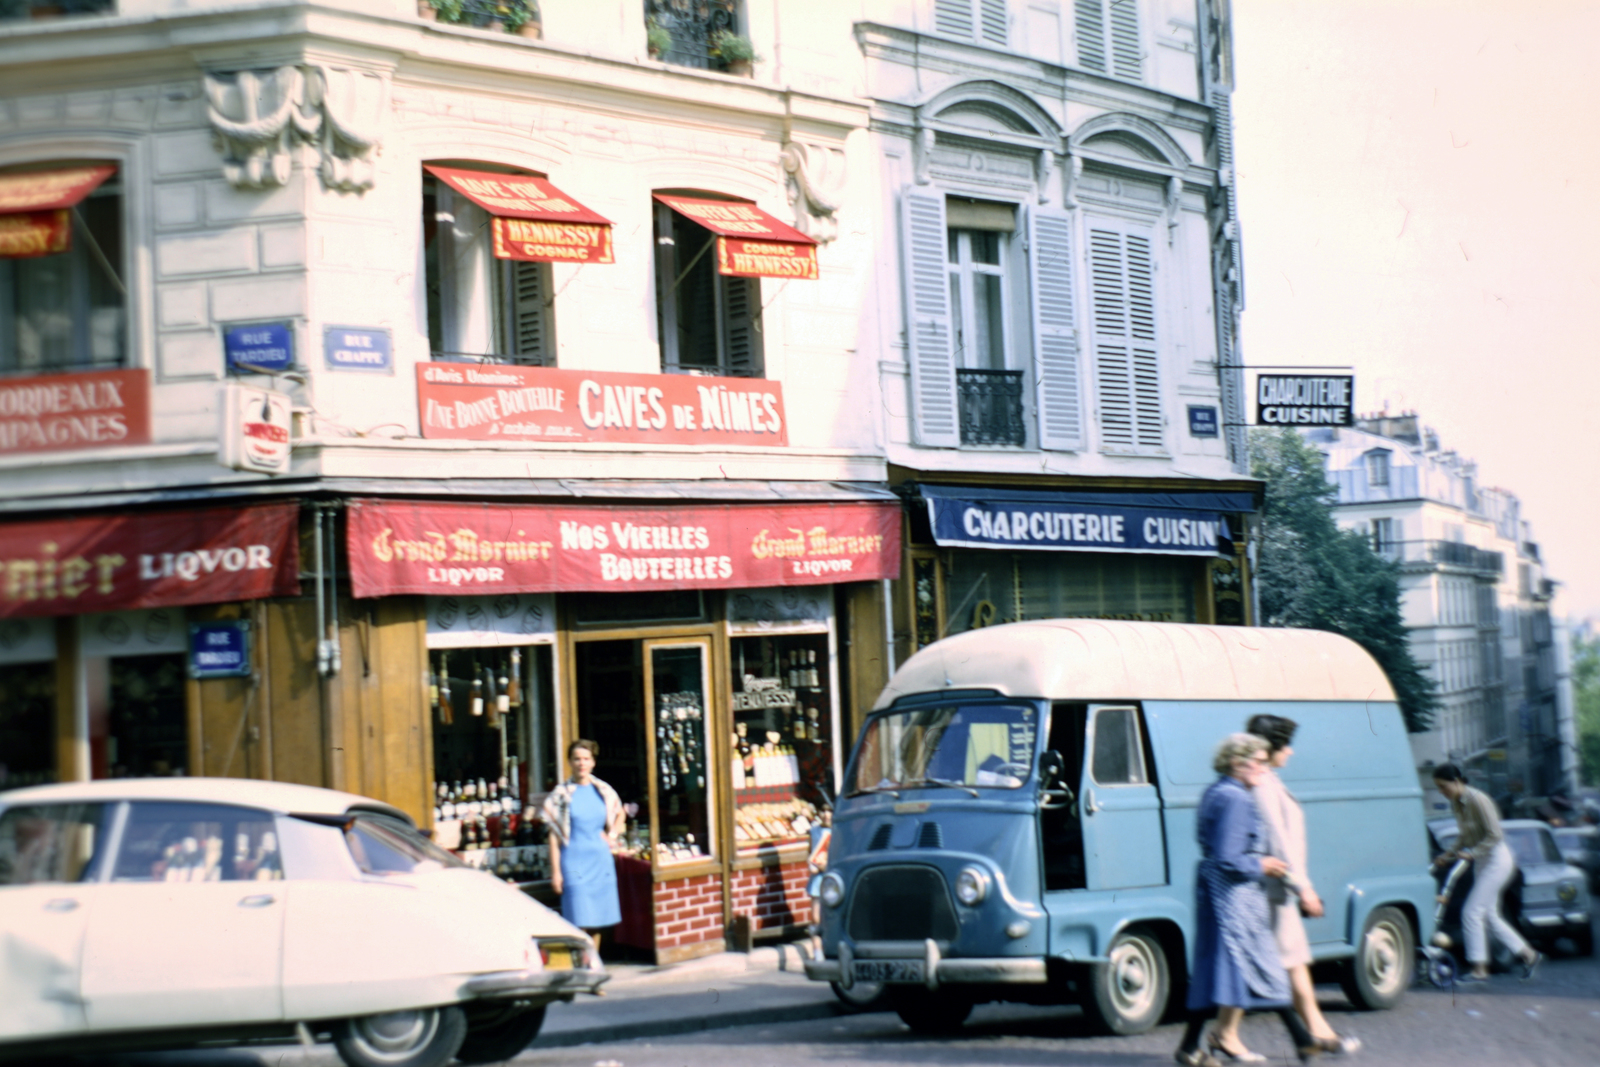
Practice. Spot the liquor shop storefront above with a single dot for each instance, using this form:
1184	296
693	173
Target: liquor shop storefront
699	645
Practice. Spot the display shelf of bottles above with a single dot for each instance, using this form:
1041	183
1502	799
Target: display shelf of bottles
778	822
484	824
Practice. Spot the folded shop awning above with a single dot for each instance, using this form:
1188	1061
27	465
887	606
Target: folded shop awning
1162	523
532	220
36	207
750	242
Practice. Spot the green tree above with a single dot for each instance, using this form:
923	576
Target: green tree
1586	695
1312	574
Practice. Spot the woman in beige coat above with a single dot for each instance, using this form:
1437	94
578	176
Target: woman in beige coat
1293	893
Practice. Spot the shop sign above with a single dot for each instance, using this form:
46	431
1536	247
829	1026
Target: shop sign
219	649
35	233
35	208
472	402
530	219
358	348
1203	421
255	430
436	548
750	242
1305	400
75	566
261	346
490	621
92	409
1066	522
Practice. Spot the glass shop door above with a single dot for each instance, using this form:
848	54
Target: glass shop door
677	702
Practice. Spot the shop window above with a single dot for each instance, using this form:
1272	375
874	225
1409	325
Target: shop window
707	321
983	21
63	290
481	308
678	702
146	732
1108	37
782	754
27	724
984	588
178	842
50	842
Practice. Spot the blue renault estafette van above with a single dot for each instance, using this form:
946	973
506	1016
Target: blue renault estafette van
1017	821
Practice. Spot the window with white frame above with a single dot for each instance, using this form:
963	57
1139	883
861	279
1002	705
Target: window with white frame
1127	359
979	237
708	322
63	293
1107	33
1385	540
984	21
1378	467
480	307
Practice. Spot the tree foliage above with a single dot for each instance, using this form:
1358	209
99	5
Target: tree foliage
1312	574
1586	695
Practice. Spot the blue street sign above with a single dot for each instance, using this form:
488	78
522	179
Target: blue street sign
261	345
219	649
1202	421
358	348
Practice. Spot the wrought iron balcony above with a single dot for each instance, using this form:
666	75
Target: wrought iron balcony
990	402
494	358
1448	553
11	10
693	26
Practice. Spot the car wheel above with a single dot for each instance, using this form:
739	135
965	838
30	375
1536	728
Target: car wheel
930	1011
1128	993
427	1037
1377	977
1583	941
502	1040
861	996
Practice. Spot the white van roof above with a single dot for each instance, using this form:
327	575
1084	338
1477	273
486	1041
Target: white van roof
1102	659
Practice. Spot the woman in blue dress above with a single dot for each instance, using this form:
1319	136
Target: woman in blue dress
585	819
1236	961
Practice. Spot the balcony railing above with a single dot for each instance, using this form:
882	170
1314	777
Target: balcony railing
11	10
693	26
1448	553
494	358
990	402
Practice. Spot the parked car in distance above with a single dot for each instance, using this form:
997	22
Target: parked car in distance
172	912
1555	900
1580	846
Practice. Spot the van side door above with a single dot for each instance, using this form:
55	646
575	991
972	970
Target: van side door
1123	841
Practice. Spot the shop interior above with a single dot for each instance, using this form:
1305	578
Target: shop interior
27	724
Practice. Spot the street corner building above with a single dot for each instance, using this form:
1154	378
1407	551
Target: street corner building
393	393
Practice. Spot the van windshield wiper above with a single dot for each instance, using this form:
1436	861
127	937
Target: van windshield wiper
948	785
874	789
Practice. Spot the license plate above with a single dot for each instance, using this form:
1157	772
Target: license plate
890	971
558	958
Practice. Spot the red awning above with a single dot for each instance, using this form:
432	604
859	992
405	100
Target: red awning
34	207
532	220
750	242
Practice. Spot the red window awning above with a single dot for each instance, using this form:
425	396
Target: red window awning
35	206
532	220
750	242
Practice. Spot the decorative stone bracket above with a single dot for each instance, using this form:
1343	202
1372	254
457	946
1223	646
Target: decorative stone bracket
814	176
259	117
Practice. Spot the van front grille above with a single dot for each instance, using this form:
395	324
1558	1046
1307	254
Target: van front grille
901	903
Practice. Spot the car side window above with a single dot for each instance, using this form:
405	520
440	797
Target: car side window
382	845
1118	755
50	842
183	842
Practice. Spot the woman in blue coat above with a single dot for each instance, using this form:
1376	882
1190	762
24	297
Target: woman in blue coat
1236	961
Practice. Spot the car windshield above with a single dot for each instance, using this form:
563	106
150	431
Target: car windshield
1574	839
383	845
1532	844
988	746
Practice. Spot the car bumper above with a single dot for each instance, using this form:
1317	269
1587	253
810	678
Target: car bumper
542	986
936	968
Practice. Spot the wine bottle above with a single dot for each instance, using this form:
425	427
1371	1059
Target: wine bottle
477	695
502	696
447	708
514	686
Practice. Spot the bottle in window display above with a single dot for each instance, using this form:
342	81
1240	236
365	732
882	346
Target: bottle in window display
513	686
477	695
447	709
502	697
737	762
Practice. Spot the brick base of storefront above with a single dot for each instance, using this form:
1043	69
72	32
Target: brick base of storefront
688	911
774	897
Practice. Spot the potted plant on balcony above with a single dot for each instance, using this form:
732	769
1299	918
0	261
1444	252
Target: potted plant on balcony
735	51
657	38
440	10
522	18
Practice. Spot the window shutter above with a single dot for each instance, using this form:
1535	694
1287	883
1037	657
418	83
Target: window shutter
1108	37
1055	345
993	16
1127	54
741	304
953	17
927	293
530	318
1089	20
1126	358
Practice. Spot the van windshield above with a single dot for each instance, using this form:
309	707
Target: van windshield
987	746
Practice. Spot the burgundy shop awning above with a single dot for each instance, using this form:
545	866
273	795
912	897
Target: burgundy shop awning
532	220
149	560
402	547
750	242
36	206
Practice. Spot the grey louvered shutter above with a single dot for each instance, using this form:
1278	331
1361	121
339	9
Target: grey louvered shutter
953	17
530	316
1108	37
1089	24
741	305
992	19
1127	51
1126	357
927	293
1055	343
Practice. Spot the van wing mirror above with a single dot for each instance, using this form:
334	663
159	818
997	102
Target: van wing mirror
1054	792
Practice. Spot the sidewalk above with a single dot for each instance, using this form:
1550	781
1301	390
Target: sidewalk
729	989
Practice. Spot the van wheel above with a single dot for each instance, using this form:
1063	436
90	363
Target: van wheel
1377	977
928	1012
428	1037
1128	993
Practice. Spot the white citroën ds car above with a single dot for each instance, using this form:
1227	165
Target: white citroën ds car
166	912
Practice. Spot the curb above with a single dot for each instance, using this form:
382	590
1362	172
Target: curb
794	1013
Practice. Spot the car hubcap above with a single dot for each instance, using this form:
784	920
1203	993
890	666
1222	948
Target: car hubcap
395	1035
1131	987
1383	957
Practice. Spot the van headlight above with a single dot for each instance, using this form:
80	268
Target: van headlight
972	885
832	890
1567	892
